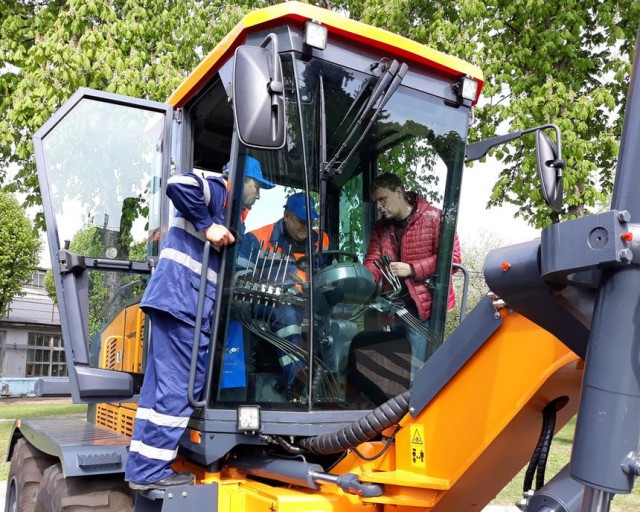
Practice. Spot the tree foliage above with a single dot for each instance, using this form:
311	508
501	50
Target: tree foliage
544	62
474	255
49	49
20	248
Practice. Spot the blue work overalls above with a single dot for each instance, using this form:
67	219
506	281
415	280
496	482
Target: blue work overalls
170	302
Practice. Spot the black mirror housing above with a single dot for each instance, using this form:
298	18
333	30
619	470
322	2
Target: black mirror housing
258	97
549	170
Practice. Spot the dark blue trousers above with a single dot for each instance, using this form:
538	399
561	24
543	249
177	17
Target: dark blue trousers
164	409
284	321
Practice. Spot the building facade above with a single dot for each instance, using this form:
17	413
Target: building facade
30	339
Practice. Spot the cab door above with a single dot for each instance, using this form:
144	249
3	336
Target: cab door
102	161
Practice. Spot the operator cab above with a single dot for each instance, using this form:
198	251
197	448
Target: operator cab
350	115
339	137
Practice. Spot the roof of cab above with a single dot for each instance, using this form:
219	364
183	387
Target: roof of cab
336	23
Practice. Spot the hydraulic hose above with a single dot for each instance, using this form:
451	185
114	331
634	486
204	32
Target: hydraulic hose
358	432
537	465
550	413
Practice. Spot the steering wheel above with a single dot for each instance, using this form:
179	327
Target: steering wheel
352	255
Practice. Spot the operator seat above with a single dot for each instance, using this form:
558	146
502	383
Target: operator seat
379	366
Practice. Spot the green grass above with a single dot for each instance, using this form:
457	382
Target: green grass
558	458
12	411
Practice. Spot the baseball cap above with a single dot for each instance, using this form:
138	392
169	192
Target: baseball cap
297	203
253	170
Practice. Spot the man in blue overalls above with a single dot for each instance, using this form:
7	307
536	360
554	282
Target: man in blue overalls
169	302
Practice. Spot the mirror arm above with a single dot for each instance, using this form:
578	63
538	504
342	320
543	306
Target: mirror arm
480	149
275	87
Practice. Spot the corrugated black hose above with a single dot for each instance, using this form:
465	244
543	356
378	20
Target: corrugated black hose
544	455
358	432
538	463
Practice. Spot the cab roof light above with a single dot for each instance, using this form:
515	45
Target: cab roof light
315	35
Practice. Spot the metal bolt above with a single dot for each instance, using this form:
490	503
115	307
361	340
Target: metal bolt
184	494
631	464
170	496
625	255
624	216
412	410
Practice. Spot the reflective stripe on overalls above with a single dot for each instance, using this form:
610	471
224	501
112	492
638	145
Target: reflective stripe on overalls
170	302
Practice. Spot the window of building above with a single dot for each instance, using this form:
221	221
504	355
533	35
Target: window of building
37	279
3	337
45	356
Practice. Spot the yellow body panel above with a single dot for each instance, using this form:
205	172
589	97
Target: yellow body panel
121	348
117	417
121	342
478	432
393	44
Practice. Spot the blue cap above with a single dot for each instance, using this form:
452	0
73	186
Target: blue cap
297	203
253	170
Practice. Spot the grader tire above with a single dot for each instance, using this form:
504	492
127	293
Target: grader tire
28	465
83	494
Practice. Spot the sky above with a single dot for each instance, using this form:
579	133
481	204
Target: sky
475	220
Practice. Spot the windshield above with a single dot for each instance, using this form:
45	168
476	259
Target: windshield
307	322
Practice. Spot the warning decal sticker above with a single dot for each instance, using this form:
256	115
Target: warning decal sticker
417	446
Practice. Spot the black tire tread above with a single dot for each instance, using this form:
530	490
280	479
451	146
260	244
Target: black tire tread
28	465
100	493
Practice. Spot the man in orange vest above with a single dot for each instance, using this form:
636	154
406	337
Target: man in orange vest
290	233
291	230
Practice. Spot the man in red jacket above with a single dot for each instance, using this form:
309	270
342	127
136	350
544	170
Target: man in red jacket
408	232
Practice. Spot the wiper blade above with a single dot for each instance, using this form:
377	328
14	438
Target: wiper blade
355	111
385	87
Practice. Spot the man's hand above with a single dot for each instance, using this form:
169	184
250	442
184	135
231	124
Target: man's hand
218	235
401	269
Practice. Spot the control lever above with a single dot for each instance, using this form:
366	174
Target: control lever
385	270
386	261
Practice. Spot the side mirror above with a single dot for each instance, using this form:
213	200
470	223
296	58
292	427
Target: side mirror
550	167
550	163
258	96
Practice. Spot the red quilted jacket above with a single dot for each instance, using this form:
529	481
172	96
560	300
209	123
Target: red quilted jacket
419	247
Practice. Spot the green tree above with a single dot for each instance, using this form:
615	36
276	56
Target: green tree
473	256
544	62
19	250
49	49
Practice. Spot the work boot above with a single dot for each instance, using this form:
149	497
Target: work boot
180	478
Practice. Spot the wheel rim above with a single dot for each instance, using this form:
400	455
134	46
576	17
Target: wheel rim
12	497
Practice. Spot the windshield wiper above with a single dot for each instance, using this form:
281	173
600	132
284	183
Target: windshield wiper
388	82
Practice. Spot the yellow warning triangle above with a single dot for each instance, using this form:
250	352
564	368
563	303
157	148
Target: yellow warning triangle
416	438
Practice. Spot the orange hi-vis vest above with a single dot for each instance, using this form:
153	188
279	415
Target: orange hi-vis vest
272	233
